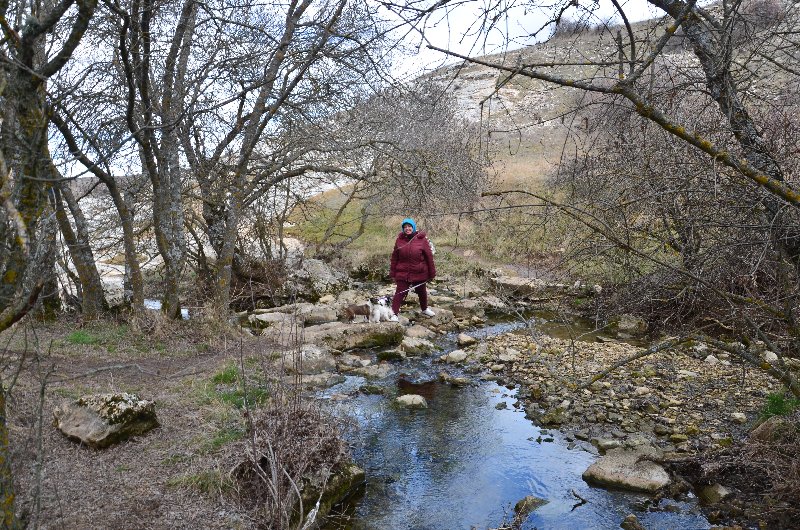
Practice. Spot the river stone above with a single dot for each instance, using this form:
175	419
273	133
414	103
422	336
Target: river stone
375	371
777	429
324	379
442	321
509	356
631	523
455	356
391	355
101	420
310	359
419	332
330	488
412	401
343	337
525	506
465	340
467	308
711	360
630	324
626	469
414	346
714	493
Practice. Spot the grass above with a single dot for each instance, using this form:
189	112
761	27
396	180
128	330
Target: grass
229	387
778	404
82	337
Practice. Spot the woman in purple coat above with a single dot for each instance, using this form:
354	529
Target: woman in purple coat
411	266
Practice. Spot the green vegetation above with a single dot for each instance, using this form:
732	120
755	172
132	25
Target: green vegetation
82	337
778	404
229	387
224	436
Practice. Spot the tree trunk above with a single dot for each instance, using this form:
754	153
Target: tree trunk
9	518
92	299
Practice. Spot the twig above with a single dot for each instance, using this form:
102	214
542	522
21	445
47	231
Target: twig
581	500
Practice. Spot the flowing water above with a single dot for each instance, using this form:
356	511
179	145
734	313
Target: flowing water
467	459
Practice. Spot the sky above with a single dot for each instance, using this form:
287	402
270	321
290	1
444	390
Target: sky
457	29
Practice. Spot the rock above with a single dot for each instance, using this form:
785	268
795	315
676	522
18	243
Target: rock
412	401
606	444
517	287
687	374
343	337
738	417
509	356
391	355
628	470
678	438
465	340
443	320
371	389
497	367
525	506
324	379
641	391
309	359
714	493
413	346
375	371
268	319
420	332
331	488
313	279
455	356
467	308
102	420
631	523
770	357
327	299
776	429
629	324
711	360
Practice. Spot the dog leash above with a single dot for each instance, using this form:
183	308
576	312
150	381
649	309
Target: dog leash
413	287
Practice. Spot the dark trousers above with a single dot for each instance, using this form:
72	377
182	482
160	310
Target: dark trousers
402	290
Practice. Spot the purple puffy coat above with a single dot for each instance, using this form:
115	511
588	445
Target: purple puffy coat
412	259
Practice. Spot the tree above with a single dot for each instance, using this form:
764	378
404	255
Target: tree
633	182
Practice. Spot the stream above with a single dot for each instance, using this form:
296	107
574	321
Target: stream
470	456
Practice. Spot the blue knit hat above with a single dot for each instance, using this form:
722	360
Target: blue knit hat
409	221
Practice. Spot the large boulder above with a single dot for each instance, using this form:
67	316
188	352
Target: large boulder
101	420
313	279
628	470
345	337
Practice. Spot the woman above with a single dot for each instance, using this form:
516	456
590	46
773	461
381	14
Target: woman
411	267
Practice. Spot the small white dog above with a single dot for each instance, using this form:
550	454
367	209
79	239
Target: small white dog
380	310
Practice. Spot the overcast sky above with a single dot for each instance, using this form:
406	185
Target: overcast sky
458	31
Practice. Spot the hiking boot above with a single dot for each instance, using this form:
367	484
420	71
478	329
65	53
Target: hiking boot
393	318
428	312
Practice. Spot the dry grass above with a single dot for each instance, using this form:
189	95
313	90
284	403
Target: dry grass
176	476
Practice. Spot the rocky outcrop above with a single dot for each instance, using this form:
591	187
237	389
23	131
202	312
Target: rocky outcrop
313	279
102	420
628	470
342	336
